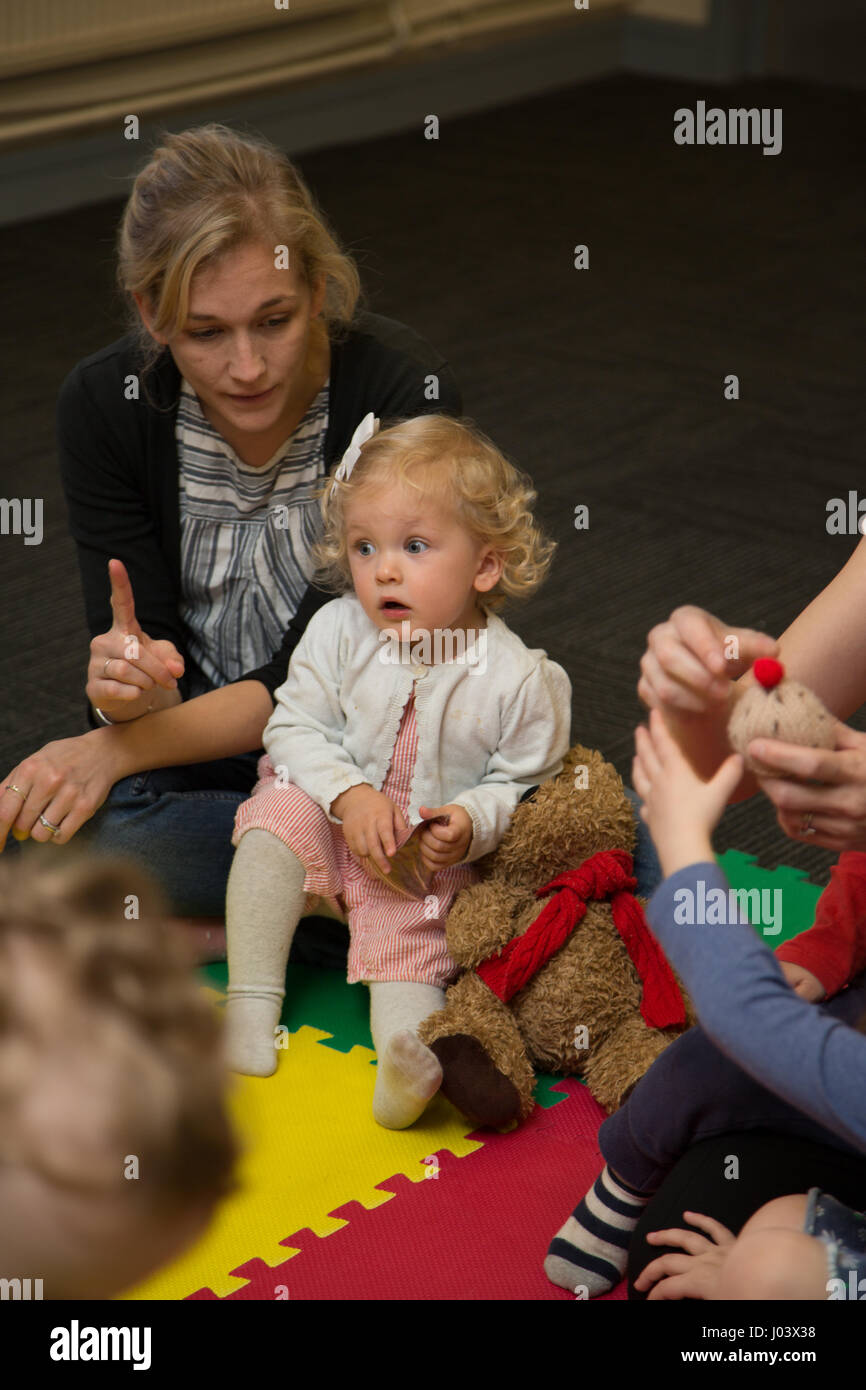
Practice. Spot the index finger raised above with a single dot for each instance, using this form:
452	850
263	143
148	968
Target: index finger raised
122	600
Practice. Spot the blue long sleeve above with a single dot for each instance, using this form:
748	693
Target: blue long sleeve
750	1012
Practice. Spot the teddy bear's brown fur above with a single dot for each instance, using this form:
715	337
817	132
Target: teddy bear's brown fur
488	1049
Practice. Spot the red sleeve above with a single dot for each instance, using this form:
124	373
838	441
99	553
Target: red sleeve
834	948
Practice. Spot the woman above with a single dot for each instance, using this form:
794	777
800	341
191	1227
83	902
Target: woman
191	451
688	673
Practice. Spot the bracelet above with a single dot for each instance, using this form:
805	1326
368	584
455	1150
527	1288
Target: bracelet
107	719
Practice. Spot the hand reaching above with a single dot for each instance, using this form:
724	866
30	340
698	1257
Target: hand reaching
680	808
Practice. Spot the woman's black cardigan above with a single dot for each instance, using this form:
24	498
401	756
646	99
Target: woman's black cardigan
119	465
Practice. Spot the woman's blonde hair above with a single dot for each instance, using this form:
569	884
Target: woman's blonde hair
209	190
450	461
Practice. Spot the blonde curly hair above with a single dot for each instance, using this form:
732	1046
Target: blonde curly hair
449	461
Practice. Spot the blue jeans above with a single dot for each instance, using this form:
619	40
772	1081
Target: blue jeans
178	822
647	869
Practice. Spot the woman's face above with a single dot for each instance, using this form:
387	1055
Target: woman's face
247	347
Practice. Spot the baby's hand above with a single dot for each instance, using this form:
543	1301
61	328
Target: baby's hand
444	844
679	807
371	823
695	1274
802	981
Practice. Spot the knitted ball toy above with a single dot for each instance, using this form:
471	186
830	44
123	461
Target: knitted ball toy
778	707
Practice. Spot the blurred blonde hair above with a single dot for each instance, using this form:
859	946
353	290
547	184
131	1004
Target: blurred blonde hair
108	1046
450	461
204	192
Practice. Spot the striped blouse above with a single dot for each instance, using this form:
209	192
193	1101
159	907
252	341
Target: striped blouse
246	537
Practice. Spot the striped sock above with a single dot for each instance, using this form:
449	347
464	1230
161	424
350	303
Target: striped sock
588	1254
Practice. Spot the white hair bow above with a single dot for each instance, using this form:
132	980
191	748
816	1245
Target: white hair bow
367	428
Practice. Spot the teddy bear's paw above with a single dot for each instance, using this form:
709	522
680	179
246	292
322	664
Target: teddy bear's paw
474	1085
408	1076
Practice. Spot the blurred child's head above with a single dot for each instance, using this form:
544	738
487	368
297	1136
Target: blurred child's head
433	527
115	1145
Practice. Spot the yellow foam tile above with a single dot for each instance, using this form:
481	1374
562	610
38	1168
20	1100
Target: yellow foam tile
310	1145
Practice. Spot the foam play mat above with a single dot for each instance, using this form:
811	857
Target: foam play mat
331	1206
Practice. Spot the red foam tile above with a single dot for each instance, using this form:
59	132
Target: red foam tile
478	1231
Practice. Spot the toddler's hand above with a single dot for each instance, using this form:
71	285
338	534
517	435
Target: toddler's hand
679	807
444	844
695	1274
802	981
371	823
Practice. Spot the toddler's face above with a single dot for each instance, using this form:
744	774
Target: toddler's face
412	561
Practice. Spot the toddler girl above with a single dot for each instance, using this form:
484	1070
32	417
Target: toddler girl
408	702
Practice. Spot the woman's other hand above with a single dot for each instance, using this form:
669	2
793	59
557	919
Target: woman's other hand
819	795
65	782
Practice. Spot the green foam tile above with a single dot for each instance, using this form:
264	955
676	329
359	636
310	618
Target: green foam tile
318	998
544	1095
798	899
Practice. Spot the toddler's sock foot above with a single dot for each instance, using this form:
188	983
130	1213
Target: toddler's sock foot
591	1250
249	1033
408	1076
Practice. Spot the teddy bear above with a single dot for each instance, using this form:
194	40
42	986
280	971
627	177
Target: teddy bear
560	970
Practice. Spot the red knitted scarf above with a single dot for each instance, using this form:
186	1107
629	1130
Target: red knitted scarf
605	875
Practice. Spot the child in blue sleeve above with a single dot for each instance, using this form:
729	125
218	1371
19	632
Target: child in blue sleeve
797	1246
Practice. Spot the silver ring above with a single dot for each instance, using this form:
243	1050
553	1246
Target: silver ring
48	826
11	787
105	666
807	828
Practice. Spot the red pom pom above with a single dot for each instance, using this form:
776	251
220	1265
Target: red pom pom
768	672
